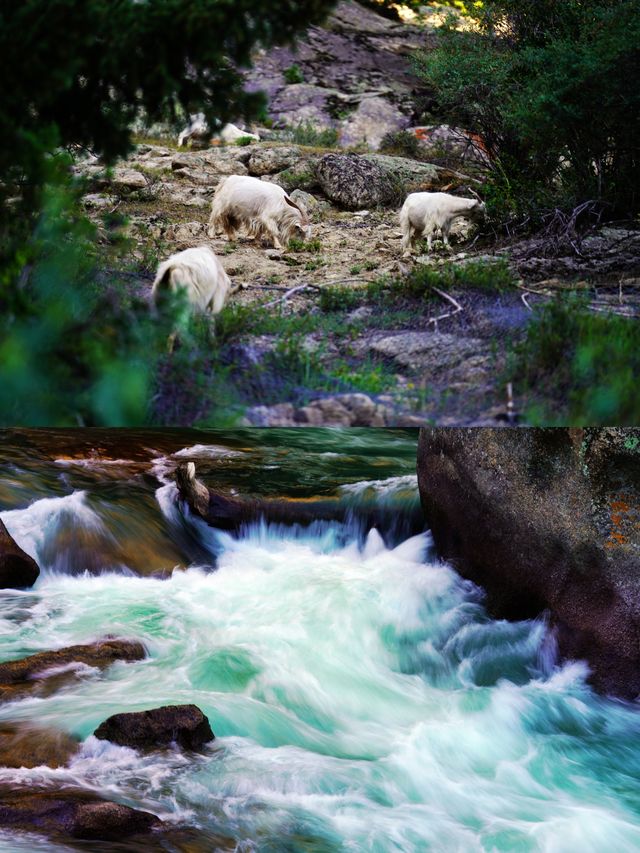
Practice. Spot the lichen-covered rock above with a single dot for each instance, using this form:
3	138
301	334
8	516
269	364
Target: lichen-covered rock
546	519
72	813
355	182
17	569
185	725
267	161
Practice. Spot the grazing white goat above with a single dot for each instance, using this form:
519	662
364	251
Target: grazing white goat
263	209
199	129
423	214
200	273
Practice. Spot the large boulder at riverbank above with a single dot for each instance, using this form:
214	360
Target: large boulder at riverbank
546	519
72	813
17	569
44	672
184	725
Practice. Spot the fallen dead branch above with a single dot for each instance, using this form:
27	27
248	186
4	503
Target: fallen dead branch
290	292
449	298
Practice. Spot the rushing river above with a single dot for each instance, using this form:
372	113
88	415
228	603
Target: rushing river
362	699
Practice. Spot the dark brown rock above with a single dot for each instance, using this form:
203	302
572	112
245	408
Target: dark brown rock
185	725
72	814
26	745
546	519
17	569
45	671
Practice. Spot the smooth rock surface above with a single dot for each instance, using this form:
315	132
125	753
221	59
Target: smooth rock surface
546	520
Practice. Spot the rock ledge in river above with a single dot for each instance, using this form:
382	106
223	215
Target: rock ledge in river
185	725
72	814
17	569
46	670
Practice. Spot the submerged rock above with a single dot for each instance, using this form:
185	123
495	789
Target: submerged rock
26	745
45	671
546	519
72	813
185	725
17	569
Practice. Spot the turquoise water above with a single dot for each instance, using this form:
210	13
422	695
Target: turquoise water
361	697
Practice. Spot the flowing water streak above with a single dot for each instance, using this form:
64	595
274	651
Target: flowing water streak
361	697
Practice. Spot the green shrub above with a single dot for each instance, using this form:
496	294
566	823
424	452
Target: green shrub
550	88
400	143
293	74
588	364
306	133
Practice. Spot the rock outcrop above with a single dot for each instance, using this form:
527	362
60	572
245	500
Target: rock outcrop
45	671
72	813
352	74
184	725
546	520
17	569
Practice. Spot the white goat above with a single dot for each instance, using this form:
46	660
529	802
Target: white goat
261	208
199	129
200	273
423	214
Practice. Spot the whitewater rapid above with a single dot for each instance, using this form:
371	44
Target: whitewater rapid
361	699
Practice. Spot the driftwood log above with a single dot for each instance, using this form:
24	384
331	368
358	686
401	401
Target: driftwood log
231	513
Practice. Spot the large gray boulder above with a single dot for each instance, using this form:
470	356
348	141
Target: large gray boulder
17	569
546	520
354	182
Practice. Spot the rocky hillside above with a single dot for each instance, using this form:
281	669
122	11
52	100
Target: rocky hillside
325	332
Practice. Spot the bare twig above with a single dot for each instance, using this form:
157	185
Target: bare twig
289	293
523	296
449	298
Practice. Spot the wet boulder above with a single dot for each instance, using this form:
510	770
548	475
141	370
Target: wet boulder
26	745
72	814
17	569
184	725
44	672
546	520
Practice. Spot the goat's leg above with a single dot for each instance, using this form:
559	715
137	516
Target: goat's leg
445	229
271	228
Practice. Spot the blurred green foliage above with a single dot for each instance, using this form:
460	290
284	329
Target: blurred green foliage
552	88
78	343
586	363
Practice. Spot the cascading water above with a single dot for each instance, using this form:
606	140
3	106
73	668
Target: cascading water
362	699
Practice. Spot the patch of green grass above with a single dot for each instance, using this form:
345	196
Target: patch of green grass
296	245
371	265
366	376
356	269
581	367
418	285
315	264
400	143
229	248
293	74
242	141
306	133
